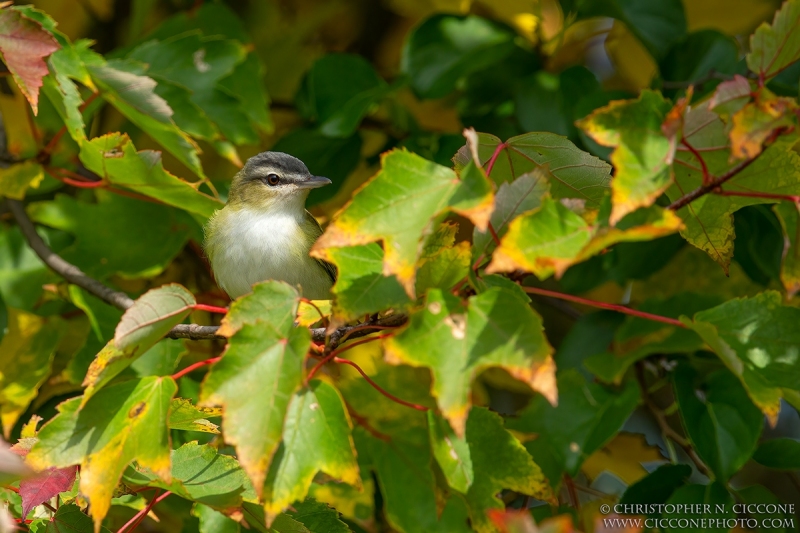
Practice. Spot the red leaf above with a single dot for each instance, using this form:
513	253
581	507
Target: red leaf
44	485
24	44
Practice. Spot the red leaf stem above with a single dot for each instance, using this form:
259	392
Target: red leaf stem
754	194
191	368
706	174
603	305
377	387
490	164
210	308
336	352
138	517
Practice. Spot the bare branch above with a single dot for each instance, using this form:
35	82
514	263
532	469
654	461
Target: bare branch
66	270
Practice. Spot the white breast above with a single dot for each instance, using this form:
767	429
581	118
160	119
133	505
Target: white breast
252	246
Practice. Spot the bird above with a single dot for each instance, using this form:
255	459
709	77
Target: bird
265	232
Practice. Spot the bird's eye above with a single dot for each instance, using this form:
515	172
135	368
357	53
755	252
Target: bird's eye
273	179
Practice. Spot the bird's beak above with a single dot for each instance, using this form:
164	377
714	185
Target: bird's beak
313	182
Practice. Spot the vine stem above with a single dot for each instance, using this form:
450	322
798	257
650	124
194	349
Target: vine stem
603	305
377	387
134	522
715	183
706	174
191	368
332	355
210	308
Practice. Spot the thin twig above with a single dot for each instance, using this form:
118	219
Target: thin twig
604	305
377	387
663	423
191	368
716	182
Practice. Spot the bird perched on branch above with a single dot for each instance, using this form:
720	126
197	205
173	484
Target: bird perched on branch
264	231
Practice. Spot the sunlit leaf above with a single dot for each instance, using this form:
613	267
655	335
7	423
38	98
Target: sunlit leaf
187	417
26	353
122	422
757	340
411	189
318	516
200	474
457	341
114	158
316	437
259	372
642	153
16	179
756	121
45	485
572	173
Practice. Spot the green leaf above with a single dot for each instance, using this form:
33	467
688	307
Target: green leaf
445	48
411	189
755	338
442	263
338	103
781	453
760	243
120	423
757	121
775	47
637	338
187	417
499	462
199	64
316	438
318	517
26	355
525	193
142	326
642	153
70	519
122	84
246	84
596	414
701	52
109	237
200	474
539	240
789	215
67	65
572	173
255	380
452	454
724	426
776	513
402	465
709	220
152	316
710	498
22	273
456	341
16	179
212	521
361	288
656	24
114	158
272	302
23	46
658	486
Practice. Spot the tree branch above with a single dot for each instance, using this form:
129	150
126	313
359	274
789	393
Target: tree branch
122	301
67	270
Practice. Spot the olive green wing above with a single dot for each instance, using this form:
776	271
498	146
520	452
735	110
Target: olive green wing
316	230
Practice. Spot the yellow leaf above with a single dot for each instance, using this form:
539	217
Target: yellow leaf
622	457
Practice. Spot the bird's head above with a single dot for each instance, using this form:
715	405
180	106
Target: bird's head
272	179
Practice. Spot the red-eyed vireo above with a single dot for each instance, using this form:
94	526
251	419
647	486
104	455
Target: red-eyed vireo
264	231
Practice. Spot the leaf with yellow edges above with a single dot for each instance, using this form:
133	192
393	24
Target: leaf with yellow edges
398	205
